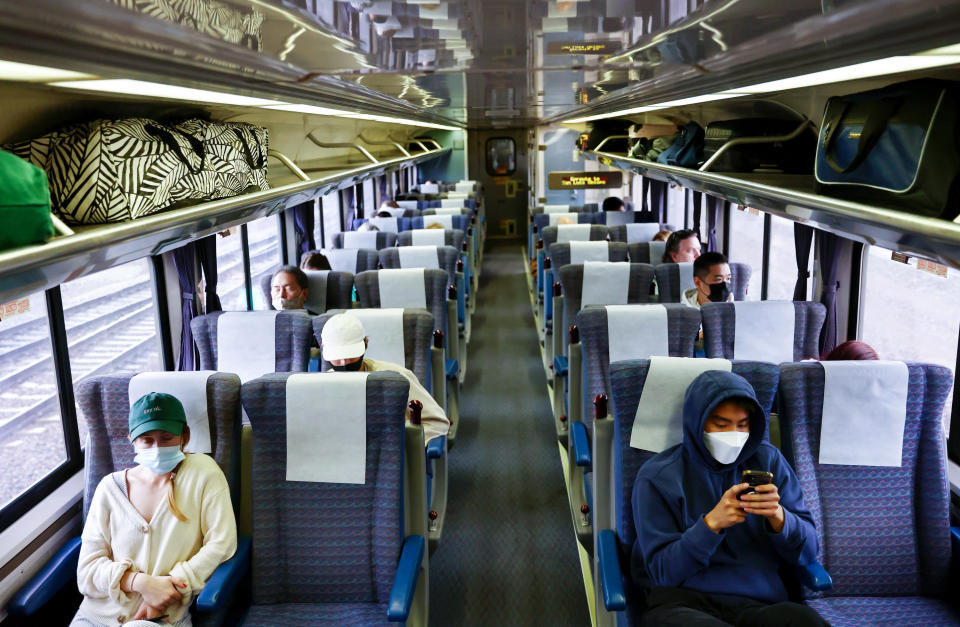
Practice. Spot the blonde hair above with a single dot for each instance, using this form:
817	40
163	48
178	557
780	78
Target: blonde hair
171	500
435	225
661	236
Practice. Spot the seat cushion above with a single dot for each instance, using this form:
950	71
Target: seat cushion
299	614
885	611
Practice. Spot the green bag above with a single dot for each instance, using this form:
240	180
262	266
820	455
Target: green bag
24	203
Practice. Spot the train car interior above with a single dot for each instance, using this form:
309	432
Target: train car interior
479	312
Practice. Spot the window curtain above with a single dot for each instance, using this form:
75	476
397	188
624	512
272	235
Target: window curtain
802	240
829	246
697	201
658	200
382	181
303	226
644	190
184	260
207	254
713	217
346	206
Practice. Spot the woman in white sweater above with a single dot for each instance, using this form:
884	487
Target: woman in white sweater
156	532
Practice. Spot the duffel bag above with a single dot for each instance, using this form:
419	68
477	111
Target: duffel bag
24	203
116	170
687	149
895	147
212	18
237	152
794	156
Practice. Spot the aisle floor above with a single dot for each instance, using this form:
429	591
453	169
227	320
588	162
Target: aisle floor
508	554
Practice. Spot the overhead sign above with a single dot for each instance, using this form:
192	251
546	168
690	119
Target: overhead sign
584	180
583	47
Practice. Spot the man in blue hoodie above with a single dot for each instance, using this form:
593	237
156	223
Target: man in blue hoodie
711	558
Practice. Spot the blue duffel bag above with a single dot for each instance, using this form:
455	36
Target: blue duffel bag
894	147
686	150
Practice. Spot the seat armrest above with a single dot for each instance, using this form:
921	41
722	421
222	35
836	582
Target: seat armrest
218	591
436	446
611	578
405	581
42	587
453	368
560	366
580	443
814	577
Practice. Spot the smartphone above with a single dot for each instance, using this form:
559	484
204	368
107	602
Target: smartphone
755	478
159	620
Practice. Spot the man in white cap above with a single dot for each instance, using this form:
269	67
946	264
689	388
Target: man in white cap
343	342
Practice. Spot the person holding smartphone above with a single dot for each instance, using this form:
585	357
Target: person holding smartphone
156	532
713	558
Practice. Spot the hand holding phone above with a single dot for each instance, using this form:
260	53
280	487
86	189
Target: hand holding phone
755	478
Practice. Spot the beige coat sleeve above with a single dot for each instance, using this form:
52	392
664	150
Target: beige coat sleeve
98	575
434	420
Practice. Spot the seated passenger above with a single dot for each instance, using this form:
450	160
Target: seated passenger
315	261
390	204
851	351
683	246
383	214
711	276
343	342
156	532
565	220
711	551
612	203
366	226
289	288
435	225
662	236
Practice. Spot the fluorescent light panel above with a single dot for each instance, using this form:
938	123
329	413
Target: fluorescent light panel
158	90
11	71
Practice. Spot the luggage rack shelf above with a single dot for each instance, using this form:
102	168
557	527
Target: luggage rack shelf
94	248
792	197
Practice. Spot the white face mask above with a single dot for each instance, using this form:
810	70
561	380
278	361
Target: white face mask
288	303
159	459
725	446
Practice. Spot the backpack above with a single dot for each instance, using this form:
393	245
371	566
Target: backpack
687	150
24	203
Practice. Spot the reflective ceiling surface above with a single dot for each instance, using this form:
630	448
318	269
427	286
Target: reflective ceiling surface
483	63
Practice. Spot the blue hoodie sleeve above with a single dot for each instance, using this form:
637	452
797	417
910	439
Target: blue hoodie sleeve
797	541
671	552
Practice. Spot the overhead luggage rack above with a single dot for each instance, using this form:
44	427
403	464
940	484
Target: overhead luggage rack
792	197
96	248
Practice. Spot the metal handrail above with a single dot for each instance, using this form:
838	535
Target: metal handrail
397	145
431	140
366	153
608	138
739	141
293	167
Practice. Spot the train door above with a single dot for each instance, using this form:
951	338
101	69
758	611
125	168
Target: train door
498	159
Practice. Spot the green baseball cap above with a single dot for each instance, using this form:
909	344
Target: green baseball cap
157	411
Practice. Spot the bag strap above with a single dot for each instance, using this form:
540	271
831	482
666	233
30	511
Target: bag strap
873	128
247	153
165	134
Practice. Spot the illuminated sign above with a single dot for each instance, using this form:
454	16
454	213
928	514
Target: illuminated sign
584	180
583	47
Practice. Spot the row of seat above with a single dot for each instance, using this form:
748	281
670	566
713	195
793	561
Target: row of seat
613	225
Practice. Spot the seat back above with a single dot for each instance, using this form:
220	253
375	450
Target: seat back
104	402
417	338
883	531
460	222
543	209
683	325
668	281
447	257
326	542
435	288
459	210
645	252
720	328
633	232
616	220
550	234
560	254
292	336
338	286
379	240
451	237
351	260
385	225
543	220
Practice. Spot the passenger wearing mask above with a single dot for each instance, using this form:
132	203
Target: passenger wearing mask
156	532
683	246
711	551
343	343
612	203
315	261
289	288
711	276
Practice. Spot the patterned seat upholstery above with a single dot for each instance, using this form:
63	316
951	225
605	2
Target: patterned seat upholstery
339	289
447	257
683	324
460	223
368	292
326	553
367	259
549	234
626	381
384	240
403	224
668	281
639	252
451	237
560	253
884	532
719	329
293	336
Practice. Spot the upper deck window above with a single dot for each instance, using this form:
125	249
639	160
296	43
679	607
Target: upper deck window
501	156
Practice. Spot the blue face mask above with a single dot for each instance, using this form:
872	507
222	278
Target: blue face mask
159	459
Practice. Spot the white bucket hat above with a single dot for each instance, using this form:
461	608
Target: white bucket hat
342	338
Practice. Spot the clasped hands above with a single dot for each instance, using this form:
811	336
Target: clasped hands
731	511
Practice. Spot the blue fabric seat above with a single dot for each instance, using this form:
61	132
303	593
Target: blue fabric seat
285	614
366	258
884	531
459	222
384	240
293	335
719	329
339	289
403	224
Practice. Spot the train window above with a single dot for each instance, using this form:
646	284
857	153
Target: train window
909	314
264	238
231	285
33	442
111	324
783	261
501	156
746	244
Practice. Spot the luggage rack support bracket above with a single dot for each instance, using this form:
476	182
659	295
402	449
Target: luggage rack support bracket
364	151
397	145
739	141
288	162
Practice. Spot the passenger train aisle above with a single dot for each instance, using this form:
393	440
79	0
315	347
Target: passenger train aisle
509	554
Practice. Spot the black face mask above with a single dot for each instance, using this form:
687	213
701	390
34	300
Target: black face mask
351	367
719	292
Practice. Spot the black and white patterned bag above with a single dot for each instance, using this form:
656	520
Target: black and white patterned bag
223	21
237	152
